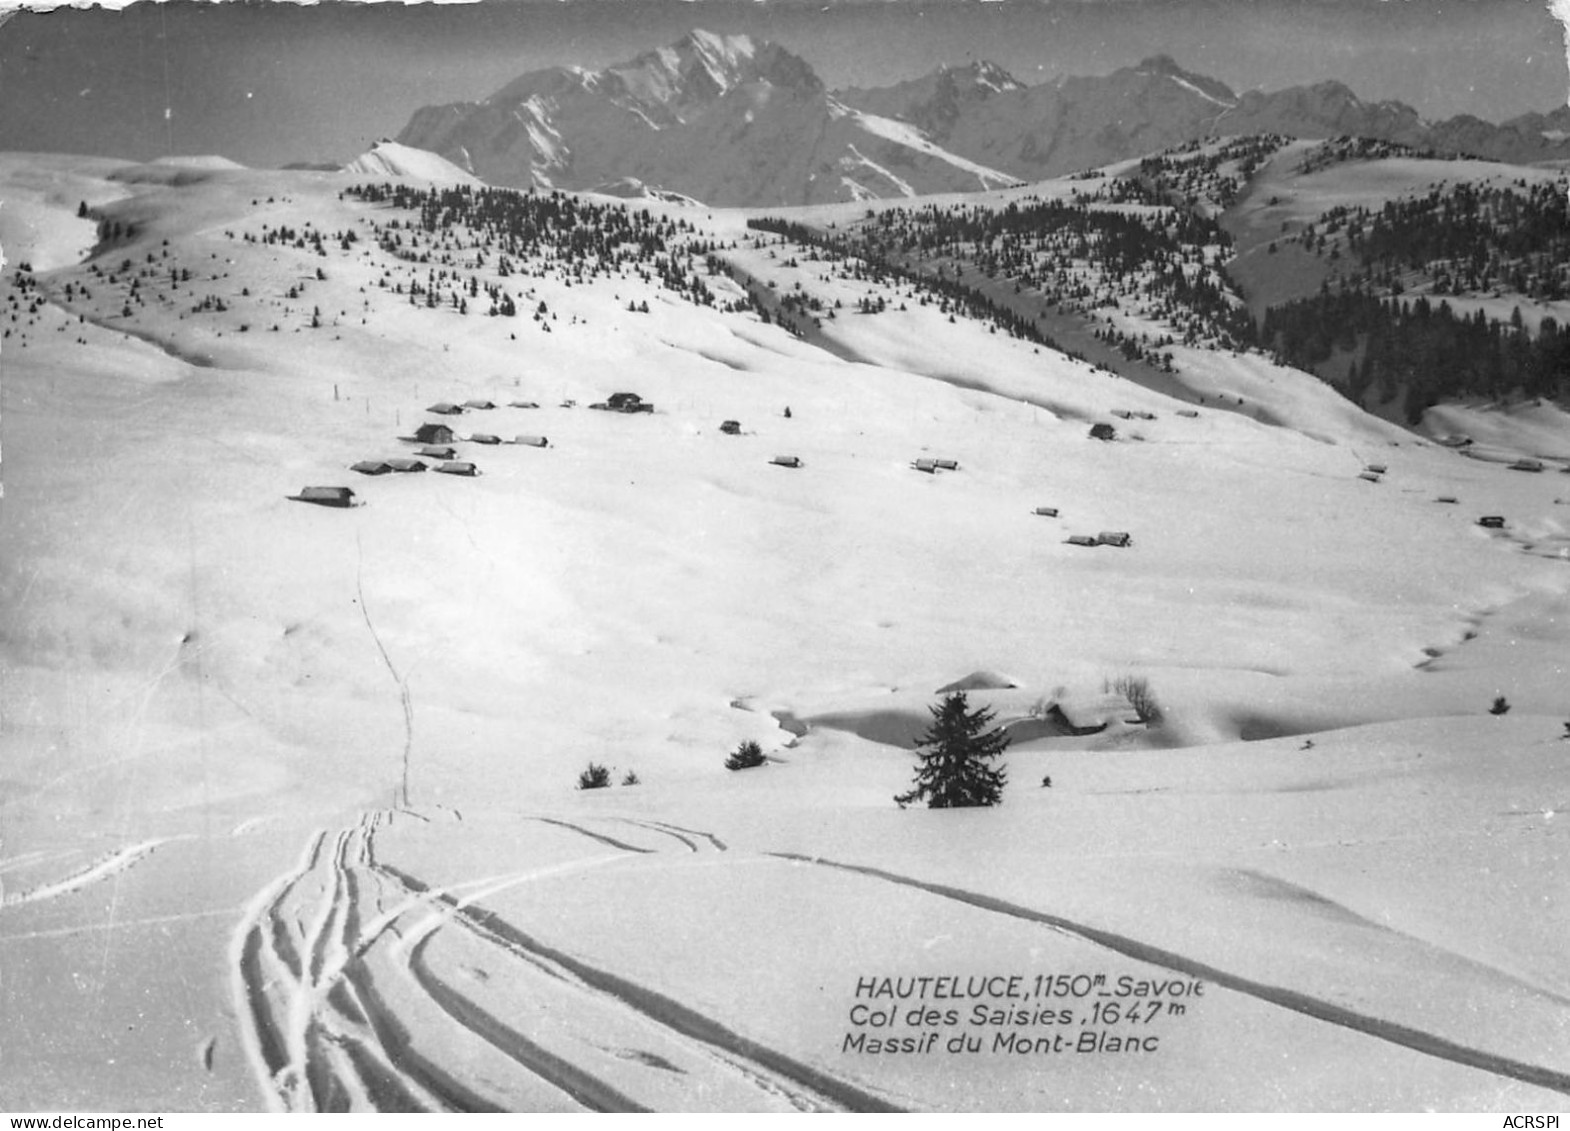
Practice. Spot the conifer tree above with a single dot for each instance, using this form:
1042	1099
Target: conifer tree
746	756
954	754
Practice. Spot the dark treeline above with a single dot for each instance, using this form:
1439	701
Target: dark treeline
1076	256
1388	316
1196	174
1475	238
1344	149
1080	256
532	233
949	290
529	223
1429	351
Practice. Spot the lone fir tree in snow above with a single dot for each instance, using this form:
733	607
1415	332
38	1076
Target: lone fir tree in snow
954	754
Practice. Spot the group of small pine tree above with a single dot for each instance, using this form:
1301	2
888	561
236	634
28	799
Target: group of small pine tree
598	777
953	770
953	773
954	754
745	756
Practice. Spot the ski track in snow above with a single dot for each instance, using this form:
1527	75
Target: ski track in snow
118	925
401	679
117	861
601	837
688	837
347	1001
691	846
718	844
1417	1040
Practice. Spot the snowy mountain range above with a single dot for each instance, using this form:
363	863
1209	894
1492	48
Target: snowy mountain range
721	119
734	121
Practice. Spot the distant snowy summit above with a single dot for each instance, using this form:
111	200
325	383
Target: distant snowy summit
1076	122
727	120
630	188
200	161
390	159
732	120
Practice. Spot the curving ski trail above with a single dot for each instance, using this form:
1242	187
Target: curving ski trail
112	864
348	980
1430	1044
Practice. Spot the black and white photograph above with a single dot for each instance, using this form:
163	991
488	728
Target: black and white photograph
765	555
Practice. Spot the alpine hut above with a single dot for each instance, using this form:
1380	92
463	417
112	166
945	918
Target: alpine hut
628	402
457	467
484	438
1103	432
731	428
786	461
1081	540
1492	521
444	408
434	434
1114	538
436	451
533	441
406	465
1047	512
371	467
524	404
325	496
479	403
1058	722
930	466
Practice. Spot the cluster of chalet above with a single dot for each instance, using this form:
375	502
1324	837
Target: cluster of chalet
1120	538
433	451
435	440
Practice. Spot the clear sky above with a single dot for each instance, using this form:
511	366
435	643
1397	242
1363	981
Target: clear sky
267	83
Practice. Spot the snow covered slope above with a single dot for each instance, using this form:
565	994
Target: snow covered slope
389	159
289	815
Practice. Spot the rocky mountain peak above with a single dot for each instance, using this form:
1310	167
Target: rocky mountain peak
702	66
1160	65
982	74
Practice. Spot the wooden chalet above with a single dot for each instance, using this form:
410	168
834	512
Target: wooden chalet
325	496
